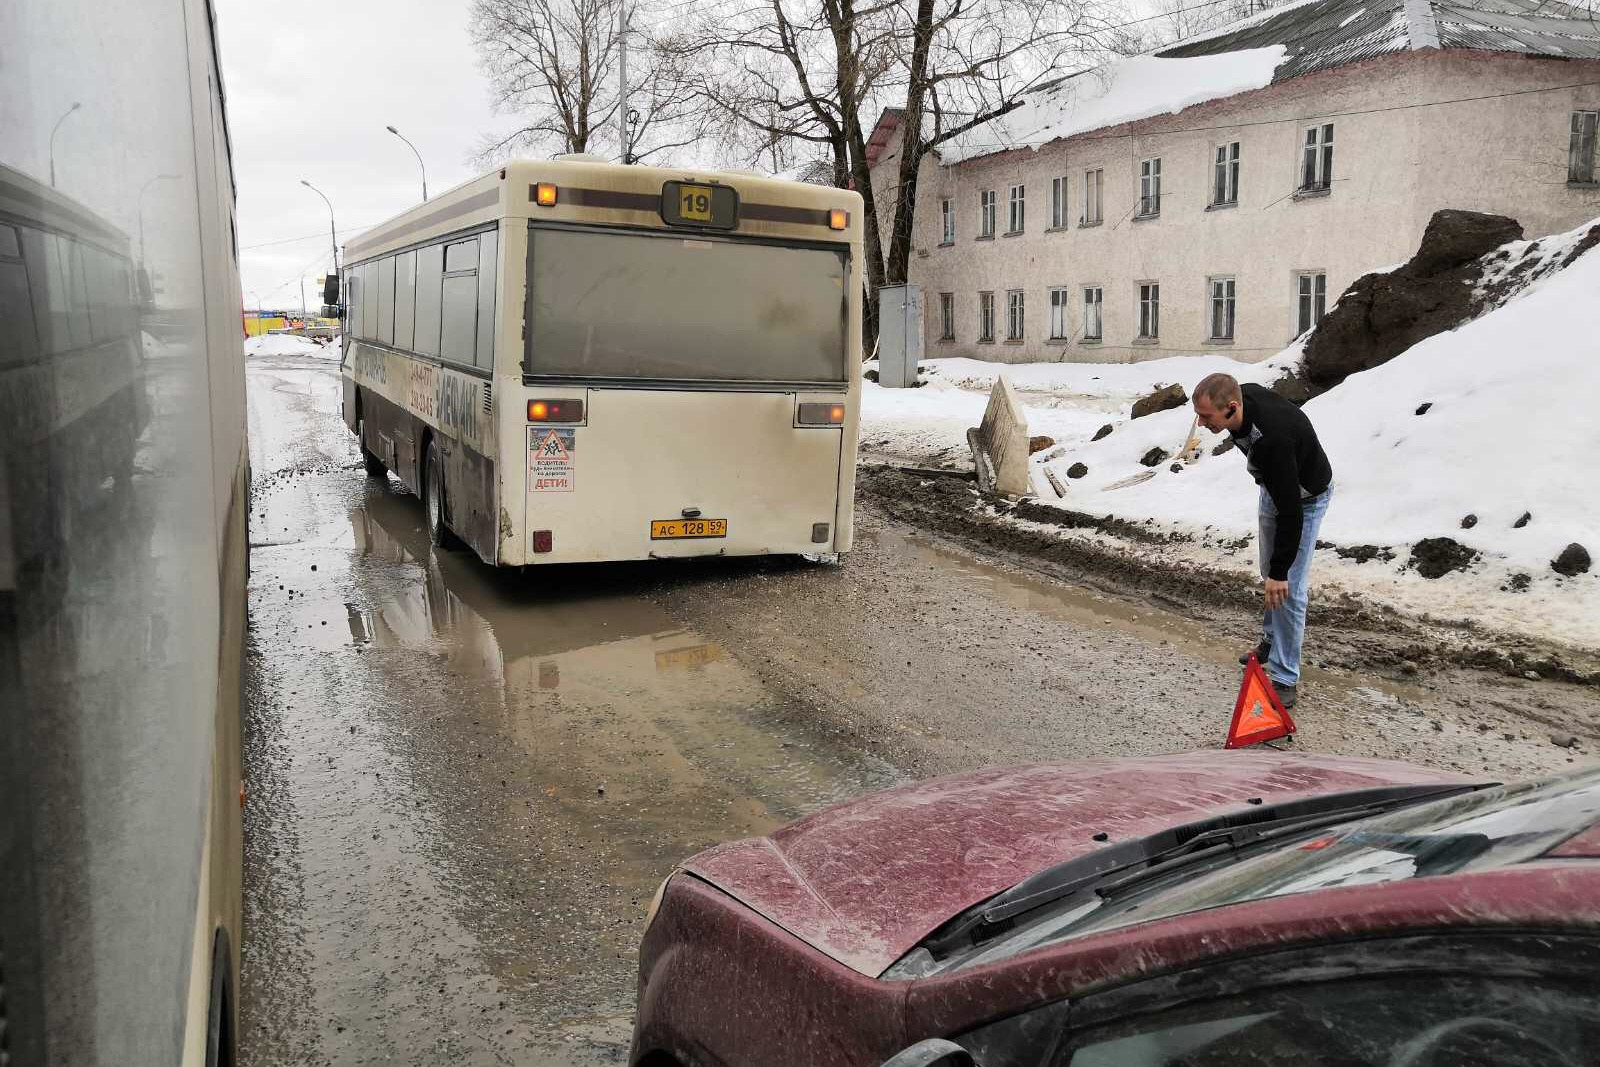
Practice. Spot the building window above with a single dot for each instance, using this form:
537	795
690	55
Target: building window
986	316
947	316
1225	175
1092	330
1014	218
986	211
1149	311
1014	315
947	209
1222	309
1058	314
1316	168
1094	183
1313	293
1150	187
1058	203
1581	150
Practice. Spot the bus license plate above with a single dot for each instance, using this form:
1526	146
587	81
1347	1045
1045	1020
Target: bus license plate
673	529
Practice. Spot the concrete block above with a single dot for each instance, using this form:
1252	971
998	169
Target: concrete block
1003	436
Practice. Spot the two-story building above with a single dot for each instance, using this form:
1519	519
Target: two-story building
1220	194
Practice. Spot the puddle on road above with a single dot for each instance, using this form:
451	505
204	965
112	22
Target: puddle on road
1087	608
512	761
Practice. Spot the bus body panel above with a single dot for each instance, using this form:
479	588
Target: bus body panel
646	455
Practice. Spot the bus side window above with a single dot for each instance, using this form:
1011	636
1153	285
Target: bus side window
488	253
459	336
17	335
430	275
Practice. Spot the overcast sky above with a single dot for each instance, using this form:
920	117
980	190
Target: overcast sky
311	86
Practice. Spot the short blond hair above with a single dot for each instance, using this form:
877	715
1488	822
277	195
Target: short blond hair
1219	389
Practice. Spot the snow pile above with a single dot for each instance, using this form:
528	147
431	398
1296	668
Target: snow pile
286	344
1510	428
1140	87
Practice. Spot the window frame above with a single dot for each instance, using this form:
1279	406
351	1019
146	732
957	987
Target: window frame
1316	159
1058	202
1318	302
1149	304
986	316
1094	192
1060	316
1016	209
947	316
1016	315
1221	288
1096	316
1580	171
947	213
987	213
1225	168
1149	203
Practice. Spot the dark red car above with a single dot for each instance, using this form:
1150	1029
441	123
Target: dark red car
1222	908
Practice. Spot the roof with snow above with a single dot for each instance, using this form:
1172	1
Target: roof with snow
1288	41
1320	34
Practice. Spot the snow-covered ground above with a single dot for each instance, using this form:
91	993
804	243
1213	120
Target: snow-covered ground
284	344
1511	429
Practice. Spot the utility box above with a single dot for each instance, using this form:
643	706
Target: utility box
899	335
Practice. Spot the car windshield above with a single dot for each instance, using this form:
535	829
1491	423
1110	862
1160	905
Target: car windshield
1472	831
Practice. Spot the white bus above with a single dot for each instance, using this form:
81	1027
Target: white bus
576	361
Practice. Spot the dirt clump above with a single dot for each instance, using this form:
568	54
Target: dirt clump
1104	431
1364	553
1382	315
1077	470
1225	446
1163	399
1154	456
1039	443
1573	561
1468	521
1526	517
1435	557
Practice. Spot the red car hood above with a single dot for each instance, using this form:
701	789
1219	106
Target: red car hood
866	880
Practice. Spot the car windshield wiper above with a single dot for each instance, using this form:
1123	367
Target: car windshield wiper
1171	849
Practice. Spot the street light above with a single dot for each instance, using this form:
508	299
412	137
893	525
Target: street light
53	132
332	229
414	152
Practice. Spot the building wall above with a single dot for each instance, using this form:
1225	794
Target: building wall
1394	164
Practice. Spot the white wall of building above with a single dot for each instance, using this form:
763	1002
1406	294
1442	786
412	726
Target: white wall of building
1399	155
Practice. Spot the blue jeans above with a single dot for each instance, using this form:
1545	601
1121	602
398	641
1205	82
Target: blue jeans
1284	628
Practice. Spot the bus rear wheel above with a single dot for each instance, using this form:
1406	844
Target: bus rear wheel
434	499
369	459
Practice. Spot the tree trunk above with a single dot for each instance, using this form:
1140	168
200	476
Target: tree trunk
911	148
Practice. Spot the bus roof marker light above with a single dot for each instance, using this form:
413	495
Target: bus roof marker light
544	194
838	218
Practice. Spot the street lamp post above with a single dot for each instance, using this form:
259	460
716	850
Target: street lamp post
53	133
414	152
333	230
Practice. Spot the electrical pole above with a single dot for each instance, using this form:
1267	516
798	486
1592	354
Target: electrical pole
622	68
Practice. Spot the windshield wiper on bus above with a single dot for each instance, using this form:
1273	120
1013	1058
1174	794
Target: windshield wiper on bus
1116	868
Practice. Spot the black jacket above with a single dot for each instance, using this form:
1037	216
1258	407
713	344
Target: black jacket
1286	460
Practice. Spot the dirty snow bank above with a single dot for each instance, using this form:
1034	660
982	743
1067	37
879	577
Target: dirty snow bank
1510	429
1140	87
286	344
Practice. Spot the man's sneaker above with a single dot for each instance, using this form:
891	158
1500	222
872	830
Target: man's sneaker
1261	651
1287	694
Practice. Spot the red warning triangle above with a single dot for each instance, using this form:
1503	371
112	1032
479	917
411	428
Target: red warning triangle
553	449
1258	715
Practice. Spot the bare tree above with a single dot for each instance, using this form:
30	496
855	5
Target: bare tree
786	83
967	63
554	63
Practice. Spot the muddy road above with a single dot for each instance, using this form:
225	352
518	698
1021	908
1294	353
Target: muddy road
465	786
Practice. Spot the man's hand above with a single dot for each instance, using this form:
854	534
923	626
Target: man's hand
1277	593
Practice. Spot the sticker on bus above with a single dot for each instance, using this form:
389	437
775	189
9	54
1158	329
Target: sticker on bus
550	465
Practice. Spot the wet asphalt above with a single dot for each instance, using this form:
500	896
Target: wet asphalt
464	786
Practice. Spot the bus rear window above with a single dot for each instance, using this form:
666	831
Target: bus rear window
631	306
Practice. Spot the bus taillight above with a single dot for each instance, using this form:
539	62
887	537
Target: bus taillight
821	414
555	411
838	218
